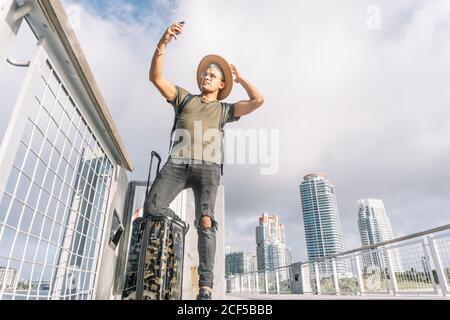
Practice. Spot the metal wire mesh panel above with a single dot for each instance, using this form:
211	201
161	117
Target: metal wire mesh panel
411	264
375	278
272	281
314	277
261	282
284	275
53	210
321	277
251	282
348	280
233	284
443	248
244	283
325	270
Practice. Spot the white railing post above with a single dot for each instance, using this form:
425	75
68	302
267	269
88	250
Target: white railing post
391	271
257	282
249	280
429	269
266	282
290	276
439	268
277	278
359	274
335	276
316	271
232	284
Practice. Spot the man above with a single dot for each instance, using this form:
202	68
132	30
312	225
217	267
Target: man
195	161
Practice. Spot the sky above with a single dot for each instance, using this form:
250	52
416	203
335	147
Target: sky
357	89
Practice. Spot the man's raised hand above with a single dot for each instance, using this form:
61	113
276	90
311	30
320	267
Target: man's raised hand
172	32
236	73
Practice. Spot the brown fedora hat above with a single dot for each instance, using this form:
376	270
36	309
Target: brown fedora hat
226	69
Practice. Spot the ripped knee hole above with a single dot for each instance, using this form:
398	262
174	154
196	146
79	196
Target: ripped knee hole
206	222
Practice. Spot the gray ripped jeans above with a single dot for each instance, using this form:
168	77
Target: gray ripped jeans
204	179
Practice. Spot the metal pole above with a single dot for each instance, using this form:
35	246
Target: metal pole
359	274
439	268
257	282
429	269
391	271
335	276
277	278
266	282
316	271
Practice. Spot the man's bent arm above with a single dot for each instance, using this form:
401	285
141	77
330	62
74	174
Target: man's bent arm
246	107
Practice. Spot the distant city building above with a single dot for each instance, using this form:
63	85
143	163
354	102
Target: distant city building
374	224
271	249
7	278
375	227
321	219
239	262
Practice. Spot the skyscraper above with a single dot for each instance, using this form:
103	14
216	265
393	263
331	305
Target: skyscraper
321	217
375	227
271	249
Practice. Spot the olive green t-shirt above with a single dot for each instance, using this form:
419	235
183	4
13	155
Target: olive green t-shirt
199	122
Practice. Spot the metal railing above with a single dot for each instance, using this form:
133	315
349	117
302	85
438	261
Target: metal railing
417	264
